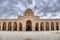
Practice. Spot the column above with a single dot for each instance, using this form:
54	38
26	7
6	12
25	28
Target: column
49	26
33	26
6	26
1	26
12	26
23	27
17	26
44	26
54	26
59	26
39	27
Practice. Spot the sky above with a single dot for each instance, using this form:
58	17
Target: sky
41	8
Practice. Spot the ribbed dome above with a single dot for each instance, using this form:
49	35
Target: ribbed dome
28	12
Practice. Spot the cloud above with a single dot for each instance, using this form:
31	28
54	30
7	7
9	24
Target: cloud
42	8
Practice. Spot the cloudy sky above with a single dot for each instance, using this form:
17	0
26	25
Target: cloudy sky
42	8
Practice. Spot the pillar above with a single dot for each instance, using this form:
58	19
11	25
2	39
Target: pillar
17	26
6	26
44	26
54	26
23	27
59	25
1	25
33	27
39	26
12	26
49	26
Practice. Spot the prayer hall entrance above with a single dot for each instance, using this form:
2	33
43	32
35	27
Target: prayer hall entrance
28	25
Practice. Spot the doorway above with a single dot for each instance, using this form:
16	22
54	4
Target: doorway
28	25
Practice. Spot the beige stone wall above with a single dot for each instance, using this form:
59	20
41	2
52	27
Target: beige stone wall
34	19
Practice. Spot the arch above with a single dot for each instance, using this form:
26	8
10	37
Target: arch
15	26
57	26
4	26
47	26
52	26
9	26
28	25
20	26
36	27
42	26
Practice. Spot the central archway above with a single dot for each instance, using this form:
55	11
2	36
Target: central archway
28	25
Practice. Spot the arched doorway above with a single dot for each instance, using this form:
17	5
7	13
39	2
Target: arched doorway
28	25
47	26
42	26
4	26
9	26
36	27
20	26
57	26
52	26
15	26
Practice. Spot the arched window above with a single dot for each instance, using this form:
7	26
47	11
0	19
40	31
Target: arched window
42	26
15	26
36	27
4	26
20	26
9	26
52	26
57	26
47	26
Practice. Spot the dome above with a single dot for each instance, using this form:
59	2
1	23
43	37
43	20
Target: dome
28	12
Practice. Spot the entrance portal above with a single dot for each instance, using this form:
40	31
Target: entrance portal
28	25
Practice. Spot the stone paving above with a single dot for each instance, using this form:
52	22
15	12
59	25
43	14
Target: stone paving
13	35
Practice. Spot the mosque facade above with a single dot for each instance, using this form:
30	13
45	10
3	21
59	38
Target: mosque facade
29	22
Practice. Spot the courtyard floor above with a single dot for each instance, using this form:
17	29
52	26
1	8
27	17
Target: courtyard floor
17	35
